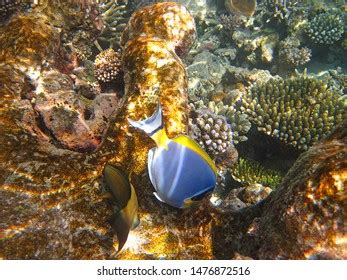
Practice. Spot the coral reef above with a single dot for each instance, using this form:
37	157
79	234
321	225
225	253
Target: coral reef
291	54
325	28
107	65
299	111
62	114
303	218
59	128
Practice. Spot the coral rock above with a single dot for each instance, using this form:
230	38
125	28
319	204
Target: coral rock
58	208
173	23
254	193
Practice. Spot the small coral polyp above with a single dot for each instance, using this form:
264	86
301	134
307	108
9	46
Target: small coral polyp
299	111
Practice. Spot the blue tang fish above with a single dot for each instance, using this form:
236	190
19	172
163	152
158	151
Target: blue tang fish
179	169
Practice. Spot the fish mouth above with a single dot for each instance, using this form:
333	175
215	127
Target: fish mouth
201	195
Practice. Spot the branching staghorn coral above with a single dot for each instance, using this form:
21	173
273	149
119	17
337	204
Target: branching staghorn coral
299	111
325	28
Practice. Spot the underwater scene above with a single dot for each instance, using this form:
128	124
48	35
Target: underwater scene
165	130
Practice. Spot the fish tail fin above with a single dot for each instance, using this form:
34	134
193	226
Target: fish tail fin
122	230
152	125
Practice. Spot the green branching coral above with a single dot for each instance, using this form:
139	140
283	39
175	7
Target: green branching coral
325	28
280	9
115	14
299	111
251	172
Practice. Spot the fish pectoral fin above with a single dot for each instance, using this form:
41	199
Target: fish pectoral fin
158	197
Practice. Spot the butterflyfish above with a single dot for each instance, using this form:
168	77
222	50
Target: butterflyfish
180	171
124	194
241	7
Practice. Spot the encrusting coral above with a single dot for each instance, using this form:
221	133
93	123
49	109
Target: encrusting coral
299	111
325	28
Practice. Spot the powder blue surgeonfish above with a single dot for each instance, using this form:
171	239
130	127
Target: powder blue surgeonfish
179	169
